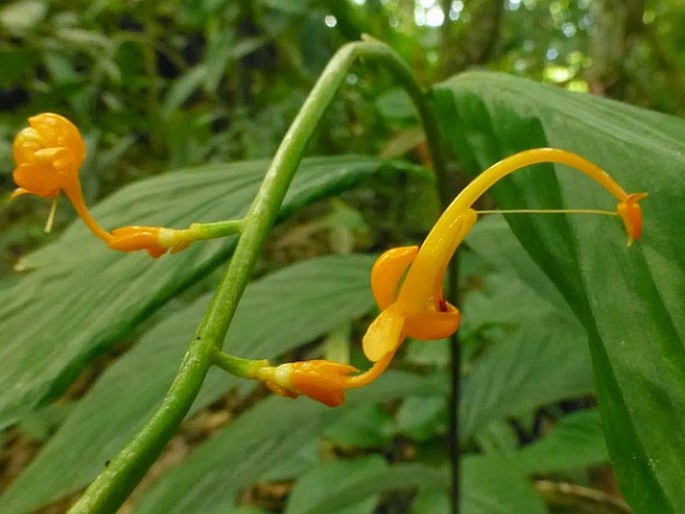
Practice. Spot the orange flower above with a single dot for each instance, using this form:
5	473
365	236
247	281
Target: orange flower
322	380
407	282
49	154
631	214
156	240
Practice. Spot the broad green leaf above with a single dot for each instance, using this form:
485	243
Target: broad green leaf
576	441
630	300
422	418
497	489
264	437
525	371
501	484
81	298
373	478
327	482
538	354
367	427
321	293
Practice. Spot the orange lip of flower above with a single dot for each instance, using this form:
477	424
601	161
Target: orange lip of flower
407	282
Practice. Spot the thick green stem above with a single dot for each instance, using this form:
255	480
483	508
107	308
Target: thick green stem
113	486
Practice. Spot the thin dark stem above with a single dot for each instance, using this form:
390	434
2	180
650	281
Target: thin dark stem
447	186
453	423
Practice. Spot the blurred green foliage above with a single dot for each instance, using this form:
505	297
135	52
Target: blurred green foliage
162	85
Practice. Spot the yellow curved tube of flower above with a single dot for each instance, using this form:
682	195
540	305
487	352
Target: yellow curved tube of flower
420	293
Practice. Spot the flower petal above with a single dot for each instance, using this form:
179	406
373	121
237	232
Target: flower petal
384	335
321	380
58	157
433	325
631	214
38	179
56	130
130	239
26	144
387	272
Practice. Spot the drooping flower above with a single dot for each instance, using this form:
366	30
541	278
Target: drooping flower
49	154
407	283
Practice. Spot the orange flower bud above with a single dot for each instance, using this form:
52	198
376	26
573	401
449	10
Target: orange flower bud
322	380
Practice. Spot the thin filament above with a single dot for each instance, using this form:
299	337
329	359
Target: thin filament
601	212
51	216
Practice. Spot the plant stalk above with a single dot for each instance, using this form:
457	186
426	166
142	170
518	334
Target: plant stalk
109	490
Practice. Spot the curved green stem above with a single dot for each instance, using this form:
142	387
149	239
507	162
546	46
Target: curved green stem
117	481
244	368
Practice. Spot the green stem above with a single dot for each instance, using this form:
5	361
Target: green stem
112	487
215	230
244	368
200	231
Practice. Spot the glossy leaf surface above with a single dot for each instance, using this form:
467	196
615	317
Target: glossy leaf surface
630	300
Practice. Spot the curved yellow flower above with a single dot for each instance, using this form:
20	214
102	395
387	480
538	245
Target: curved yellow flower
407	283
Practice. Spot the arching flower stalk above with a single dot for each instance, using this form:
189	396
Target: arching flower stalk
407	282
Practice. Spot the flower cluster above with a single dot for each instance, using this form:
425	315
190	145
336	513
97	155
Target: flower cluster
407	283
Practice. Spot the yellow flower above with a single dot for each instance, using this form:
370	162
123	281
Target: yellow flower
407	282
